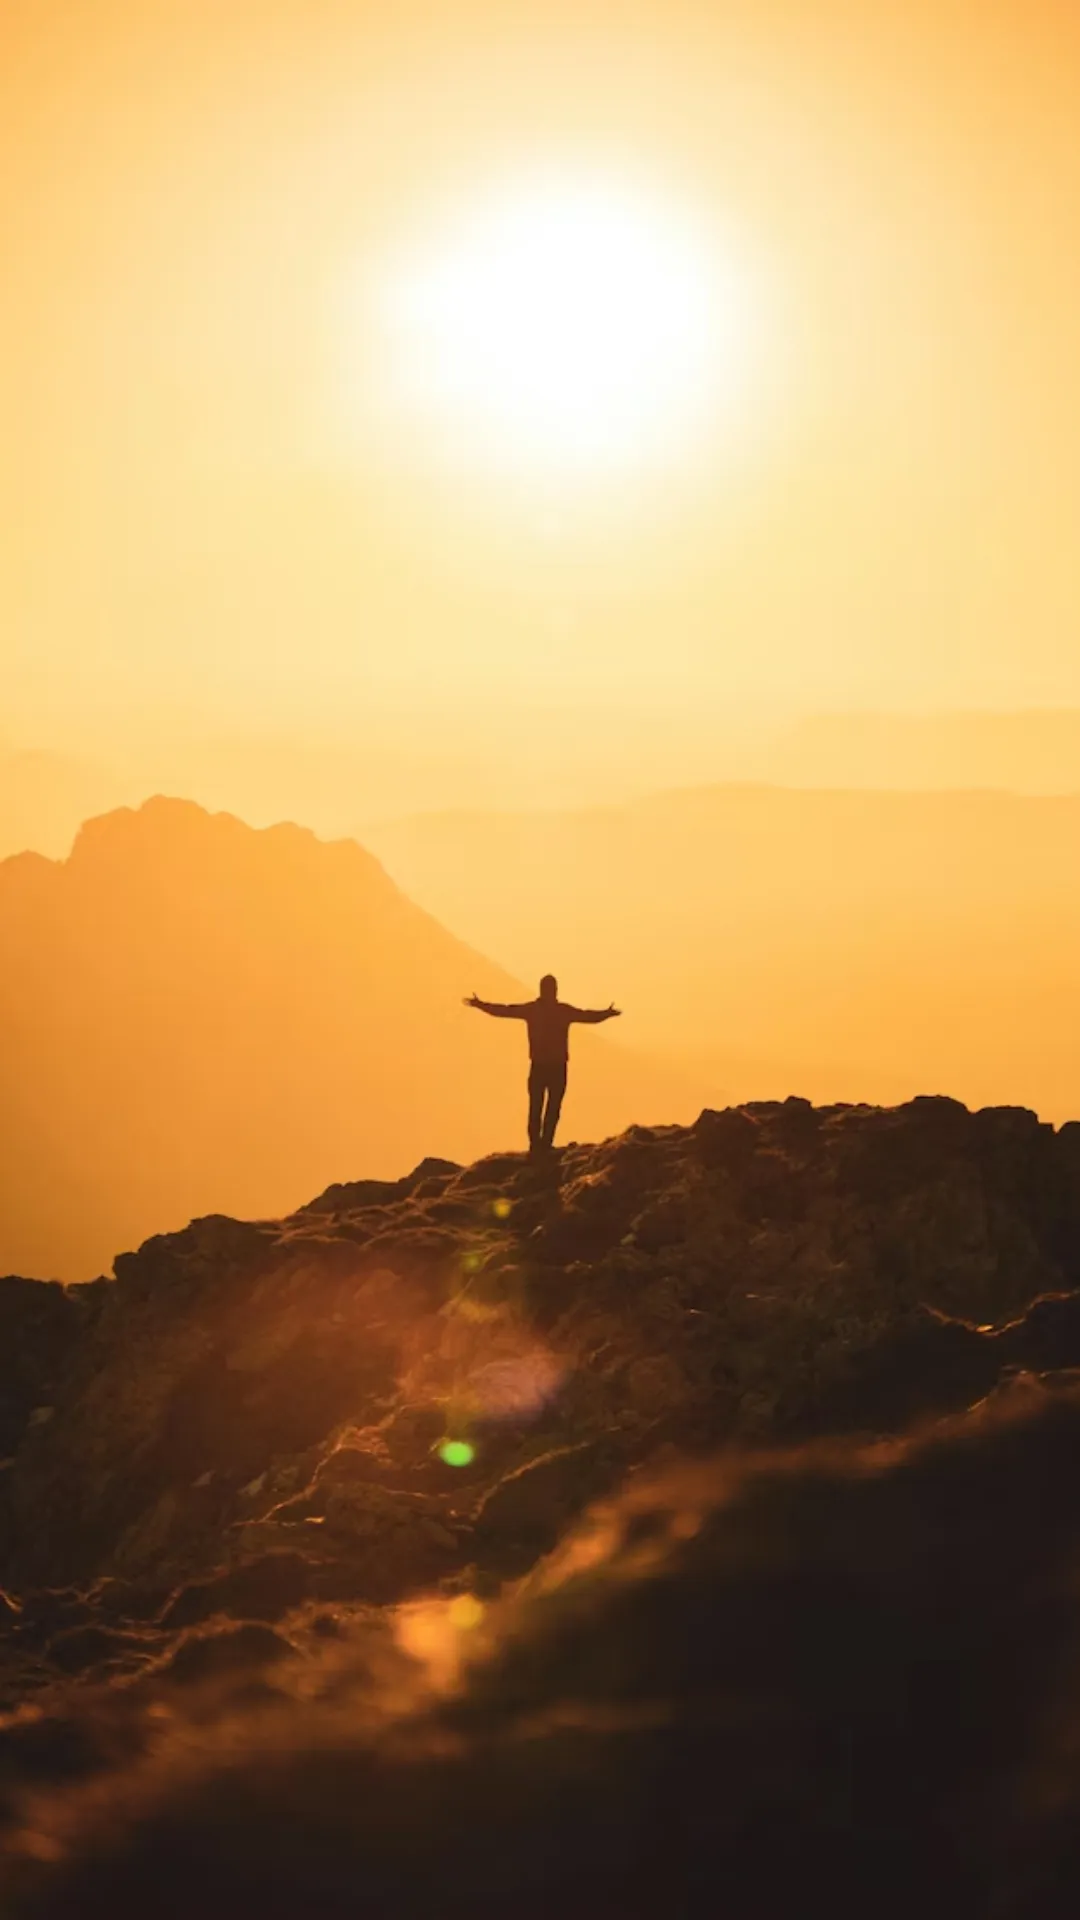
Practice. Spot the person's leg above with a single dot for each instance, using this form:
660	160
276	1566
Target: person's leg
556	1087
536	1101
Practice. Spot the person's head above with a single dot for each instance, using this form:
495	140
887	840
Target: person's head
549	987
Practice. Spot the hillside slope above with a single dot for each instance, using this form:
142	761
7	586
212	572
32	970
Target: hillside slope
195	1016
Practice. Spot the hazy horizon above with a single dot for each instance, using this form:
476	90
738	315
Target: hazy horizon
346	784
202	1016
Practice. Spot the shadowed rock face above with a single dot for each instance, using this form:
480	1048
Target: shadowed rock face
235	1486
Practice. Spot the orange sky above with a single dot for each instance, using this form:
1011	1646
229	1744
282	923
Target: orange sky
193	544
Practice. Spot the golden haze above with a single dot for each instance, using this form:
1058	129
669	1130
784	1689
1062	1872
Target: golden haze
223	578
199	540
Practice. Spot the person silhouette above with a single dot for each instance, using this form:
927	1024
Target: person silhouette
548	1020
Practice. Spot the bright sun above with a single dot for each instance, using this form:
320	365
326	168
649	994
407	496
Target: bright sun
565	328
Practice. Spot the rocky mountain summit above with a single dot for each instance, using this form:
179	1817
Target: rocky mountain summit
258	1434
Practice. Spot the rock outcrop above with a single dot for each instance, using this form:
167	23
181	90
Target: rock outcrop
252	1414
258	1431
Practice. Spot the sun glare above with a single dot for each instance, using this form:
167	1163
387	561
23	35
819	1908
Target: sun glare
564	327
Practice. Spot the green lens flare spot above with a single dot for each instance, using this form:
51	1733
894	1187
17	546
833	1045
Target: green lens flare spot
471	1262
501	1209
456	1453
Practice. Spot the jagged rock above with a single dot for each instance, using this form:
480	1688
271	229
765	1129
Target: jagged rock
350	1195
251	1414
292	1463
39	1324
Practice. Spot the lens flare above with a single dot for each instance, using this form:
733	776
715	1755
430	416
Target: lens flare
515	1384
435	1633
457	1453
466	1612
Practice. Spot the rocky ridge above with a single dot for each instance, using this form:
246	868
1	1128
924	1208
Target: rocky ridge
416	1385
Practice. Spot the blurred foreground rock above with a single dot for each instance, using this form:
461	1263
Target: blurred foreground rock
273	1487
249	1417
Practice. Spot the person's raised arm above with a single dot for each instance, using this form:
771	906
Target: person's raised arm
496	1008
592	1016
